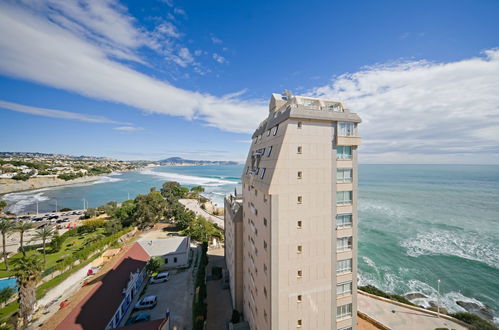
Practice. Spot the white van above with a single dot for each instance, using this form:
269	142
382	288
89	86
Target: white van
161	277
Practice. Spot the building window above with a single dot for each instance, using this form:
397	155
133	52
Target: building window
263	173
299	150
265	292
298	298
344	243
269	152
344	220
344	175
265	222
344	266
265	245
298	323
268	132
247	170
299	249
344	311
343	152
299	224
265	268
346	328
299	124
344	288
347	129
175	259
299	273
275	129
299	174
166	260
343	197
300	199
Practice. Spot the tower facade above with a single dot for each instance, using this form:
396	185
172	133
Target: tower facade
299	217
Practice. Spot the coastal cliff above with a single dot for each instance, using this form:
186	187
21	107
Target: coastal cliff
10	185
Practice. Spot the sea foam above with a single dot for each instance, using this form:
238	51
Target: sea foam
189	179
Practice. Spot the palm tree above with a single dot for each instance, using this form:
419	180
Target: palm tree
28	270
6	226
43	234
22	227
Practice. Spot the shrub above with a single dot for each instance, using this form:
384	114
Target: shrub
5	294
375	291
475	321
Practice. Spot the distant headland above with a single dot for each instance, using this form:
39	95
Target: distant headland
178	161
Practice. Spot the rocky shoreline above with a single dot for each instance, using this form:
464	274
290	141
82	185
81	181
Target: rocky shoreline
9	185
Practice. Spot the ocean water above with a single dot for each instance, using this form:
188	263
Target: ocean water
418	223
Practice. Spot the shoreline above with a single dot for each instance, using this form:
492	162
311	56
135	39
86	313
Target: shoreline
8	186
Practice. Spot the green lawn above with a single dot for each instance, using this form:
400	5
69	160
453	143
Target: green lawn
70	246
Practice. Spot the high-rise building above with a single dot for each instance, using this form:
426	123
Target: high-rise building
297	235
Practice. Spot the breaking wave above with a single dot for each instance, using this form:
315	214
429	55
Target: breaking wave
189	179
469	245
18	202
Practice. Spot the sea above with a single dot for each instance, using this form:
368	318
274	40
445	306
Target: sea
418	224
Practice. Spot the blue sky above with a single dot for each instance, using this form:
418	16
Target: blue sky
152	79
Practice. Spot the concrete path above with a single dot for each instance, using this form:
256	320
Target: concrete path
194	206
218	298
397	317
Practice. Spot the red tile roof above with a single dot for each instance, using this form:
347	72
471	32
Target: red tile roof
96	310
151	325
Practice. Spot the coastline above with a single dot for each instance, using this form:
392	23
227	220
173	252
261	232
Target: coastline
8	186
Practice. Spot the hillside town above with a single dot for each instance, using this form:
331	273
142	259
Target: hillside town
22	166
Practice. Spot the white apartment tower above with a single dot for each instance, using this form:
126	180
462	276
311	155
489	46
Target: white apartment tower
297	234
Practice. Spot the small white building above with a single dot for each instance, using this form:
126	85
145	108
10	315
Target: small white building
173	251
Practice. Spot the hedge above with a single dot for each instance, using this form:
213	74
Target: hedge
199	307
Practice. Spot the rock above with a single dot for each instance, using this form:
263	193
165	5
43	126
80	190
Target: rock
435	309
484	312
414	295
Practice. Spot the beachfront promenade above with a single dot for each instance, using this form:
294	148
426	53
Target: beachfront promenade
194	206
394	315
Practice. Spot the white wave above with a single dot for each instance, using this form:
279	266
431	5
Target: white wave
105	179
469	245
189	179
18	202
115	174
369	262
393	211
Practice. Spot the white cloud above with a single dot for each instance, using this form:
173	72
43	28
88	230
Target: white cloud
168	29
219	58
128	128
216	40
60	114
425	112
37	49
179	11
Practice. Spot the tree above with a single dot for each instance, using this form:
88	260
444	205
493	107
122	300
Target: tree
202	230
91	213
150	208
197	189
110	209
125	212
112	226
28	271
43	234
173	189
153	265
184	219
22	227
6	227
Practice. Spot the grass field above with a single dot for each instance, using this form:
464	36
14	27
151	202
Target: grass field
70	246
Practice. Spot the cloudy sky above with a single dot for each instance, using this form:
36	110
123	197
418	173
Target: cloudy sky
158	78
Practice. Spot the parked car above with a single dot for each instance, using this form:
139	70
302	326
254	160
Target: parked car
146	302
65	220
142	317
161	277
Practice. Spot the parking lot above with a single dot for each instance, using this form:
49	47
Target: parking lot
175	296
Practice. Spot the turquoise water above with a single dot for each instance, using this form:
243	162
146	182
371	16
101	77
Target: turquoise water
418	223
8	283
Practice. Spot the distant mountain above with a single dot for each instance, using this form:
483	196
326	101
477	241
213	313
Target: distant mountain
181	161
